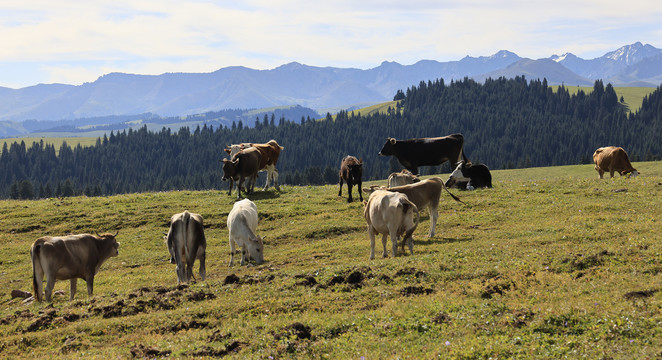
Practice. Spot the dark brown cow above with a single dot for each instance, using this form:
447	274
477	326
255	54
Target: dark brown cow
270	153
70	257
245	164
613	159
351	171
186	242
413	153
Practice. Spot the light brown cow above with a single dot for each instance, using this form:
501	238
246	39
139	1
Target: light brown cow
403	177
270	153
186	242
390	213
70	257
425	193
613	159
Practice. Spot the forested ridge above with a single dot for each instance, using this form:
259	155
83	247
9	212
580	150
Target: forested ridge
506	123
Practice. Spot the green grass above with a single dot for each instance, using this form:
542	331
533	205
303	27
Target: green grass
632	96
55	140
550	263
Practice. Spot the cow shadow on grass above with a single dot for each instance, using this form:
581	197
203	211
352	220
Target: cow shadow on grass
258	195
442	240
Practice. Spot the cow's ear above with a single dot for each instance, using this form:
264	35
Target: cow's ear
360	161
228	150
391	140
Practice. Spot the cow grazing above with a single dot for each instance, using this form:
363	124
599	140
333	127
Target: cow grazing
390	214
425	193
613	159
351	171
413	153
270	153
242	224
403	177
468	176
186	242
70	257
244	165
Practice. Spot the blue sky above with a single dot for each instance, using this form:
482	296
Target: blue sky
73	42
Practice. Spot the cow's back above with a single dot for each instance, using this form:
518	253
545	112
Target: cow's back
249	161
243	213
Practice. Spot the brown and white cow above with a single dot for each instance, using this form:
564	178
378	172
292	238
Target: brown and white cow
270	153
244	165
403	177
186	242
70	257
425	193
413	153
390	214
351	172
613	159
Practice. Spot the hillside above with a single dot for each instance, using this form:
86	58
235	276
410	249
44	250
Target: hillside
550	263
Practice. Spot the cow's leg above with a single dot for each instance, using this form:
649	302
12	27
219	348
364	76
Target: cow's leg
275	176
371	235
384	239
72	288
410	243
349	190
232	251
201	258
50	284
90	285
340	190
270	170
239	185
394	243
231	183
38	281
358	188
243	255
433	220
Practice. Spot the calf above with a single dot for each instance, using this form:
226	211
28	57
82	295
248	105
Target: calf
351	171
613	159
70	257
467	176
245	164
186	239
403	177
242	223
390	213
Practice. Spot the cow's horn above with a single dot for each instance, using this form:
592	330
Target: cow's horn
116	232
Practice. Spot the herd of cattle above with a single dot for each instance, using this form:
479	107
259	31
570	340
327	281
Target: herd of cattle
392	211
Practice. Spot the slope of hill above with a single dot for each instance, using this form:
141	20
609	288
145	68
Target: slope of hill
547	264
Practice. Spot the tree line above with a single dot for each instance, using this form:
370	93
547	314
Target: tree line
506	123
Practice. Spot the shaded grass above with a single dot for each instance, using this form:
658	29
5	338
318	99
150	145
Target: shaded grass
550	263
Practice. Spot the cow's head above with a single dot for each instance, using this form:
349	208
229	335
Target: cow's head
356	171
632	173
458	174
108	237
229	168
388	148
256	249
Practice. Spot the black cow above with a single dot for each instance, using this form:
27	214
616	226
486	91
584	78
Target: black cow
351	171
467	176
413	153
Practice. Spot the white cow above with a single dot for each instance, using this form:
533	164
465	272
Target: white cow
390	213
242	223
403	177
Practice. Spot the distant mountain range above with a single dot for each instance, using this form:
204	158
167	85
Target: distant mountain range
318	88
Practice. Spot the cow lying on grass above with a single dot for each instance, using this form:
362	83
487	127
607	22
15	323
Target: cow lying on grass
468	176
403	177
390	214
70	257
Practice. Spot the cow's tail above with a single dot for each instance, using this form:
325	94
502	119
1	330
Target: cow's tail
34	255
451	194
410	232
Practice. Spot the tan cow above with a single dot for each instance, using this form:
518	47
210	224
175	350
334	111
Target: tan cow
186	242
70	257
613	159
403	177
270	153
390	214
425	193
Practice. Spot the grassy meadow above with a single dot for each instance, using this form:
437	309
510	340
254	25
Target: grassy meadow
550	263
